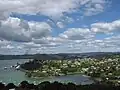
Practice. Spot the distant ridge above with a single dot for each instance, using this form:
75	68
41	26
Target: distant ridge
57	56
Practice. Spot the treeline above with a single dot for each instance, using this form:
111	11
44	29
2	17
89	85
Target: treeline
57	86
33	56
31	65
97	55
10	57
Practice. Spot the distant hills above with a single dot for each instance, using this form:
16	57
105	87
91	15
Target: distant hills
59	56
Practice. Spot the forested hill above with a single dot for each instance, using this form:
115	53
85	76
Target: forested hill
59	56
35	56
9	57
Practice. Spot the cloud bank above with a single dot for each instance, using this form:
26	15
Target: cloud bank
18	35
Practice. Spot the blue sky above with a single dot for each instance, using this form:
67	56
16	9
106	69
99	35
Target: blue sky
111	13
59	26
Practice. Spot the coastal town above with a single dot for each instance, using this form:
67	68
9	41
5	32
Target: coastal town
106	69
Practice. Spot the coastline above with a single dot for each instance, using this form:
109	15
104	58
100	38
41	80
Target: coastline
23	70
32	76
95	80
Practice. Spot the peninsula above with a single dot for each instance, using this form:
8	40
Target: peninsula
106	69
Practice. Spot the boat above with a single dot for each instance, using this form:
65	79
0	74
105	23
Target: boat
5	67
18	67
12	66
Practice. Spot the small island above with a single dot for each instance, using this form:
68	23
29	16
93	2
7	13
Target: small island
105	69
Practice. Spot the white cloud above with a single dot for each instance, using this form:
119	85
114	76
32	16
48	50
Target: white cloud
106	27
41	41
3	43
77	34
67	19
95	7
10	30
31	45
39	30
37	37
3	15
113	40
24	24
60	25
13	29
51	8
49	41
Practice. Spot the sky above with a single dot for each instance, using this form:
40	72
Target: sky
59	26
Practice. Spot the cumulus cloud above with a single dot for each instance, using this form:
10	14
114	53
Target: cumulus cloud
106	27
24	24
10	30
39	30
49	41
3	43
51	8
114	41
31	45
94	7
37	37
13	29
67	19
77	34
60	25
3	15
41	41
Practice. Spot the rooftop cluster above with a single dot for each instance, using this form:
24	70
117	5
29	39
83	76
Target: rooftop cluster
106	69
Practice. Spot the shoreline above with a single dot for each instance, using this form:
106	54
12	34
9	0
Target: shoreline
32	76
95	80
91	78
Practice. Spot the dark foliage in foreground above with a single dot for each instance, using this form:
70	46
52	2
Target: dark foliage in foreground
57	86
